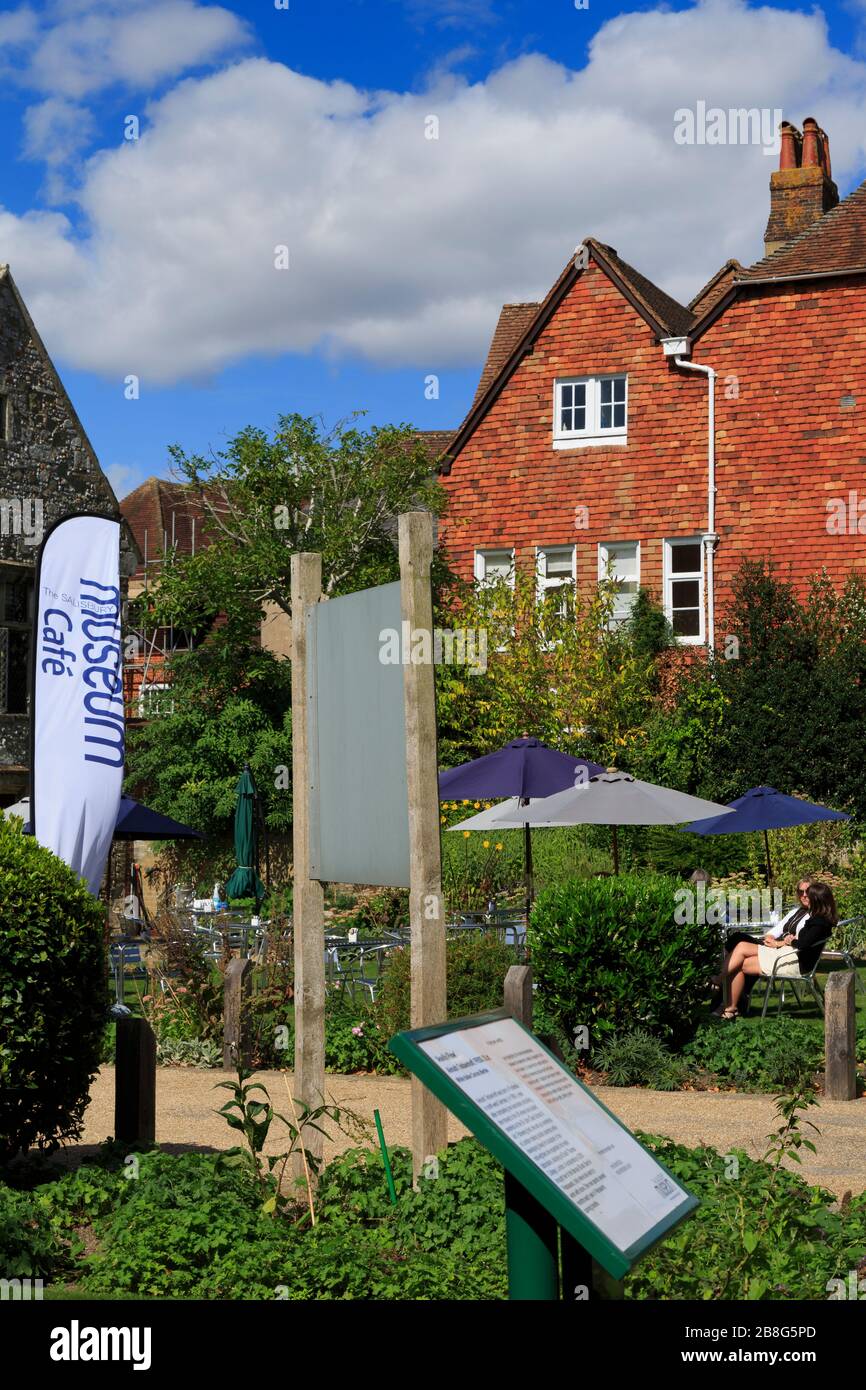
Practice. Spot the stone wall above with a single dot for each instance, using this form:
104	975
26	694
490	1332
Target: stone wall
47	467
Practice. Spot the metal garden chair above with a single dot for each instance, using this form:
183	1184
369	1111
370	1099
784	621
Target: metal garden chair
770	982
842	954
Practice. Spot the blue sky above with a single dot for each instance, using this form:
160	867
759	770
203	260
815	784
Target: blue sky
309	127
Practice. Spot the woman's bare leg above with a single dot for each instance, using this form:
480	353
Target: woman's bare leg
744	950
750	966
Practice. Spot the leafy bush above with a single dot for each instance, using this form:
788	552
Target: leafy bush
477	963
608	955
789	711
760	1232
639	1059
775	1056
29	1247
53	994
187	1226
648	626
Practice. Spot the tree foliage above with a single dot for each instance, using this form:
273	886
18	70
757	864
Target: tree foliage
557	669
265	497
782	702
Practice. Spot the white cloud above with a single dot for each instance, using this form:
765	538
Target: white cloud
56	129
75	48
402	249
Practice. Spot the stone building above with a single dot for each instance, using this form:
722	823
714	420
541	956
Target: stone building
48	470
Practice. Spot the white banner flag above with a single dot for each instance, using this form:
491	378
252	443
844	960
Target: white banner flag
77	714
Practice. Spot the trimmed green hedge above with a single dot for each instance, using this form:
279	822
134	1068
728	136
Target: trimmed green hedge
53	994
608	955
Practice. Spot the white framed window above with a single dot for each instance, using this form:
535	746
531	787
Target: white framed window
555	567
684	587
154	699
620	562
590	410
491	565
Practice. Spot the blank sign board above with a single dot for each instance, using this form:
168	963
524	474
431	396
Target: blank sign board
358	797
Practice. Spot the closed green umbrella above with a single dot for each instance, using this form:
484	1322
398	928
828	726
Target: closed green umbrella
245	882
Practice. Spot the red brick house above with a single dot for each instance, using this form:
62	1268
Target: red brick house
165	518
616	427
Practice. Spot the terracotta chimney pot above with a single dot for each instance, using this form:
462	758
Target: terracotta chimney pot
811	157
788	151
825	151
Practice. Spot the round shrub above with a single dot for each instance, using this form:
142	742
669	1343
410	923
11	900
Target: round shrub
53	994
608	955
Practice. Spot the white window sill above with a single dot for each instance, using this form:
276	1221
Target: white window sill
595	441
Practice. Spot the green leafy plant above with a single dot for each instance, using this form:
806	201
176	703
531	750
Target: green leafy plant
188	1052
781	1053
639	1059
253	1118
53	994
789	1139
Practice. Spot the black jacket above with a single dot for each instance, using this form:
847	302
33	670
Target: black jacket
810	942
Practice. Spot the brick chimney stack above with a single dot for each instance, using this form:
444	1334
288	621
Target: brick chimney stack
802	188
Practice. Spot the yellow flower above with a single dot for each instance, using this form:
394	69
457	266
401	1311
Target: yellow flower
477	805
466	834
465	803
499	846
486	844
442	820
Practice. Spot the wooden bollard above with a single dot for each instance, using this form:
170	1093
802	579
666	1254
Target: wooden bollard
135	1082
840	1037
236	989
518	993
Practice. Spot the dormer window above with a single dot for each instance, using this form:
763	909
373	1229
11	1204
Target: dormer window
590	410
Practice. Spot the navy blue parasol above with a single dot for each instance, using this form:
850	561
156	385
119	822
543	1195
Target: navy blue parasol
763	808
525	767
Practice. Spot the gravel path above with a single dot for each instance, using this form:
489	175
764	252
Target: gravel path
186	1100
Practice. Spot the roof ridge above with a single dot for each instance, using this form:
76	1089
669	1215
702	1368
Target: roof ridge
731	264
816	228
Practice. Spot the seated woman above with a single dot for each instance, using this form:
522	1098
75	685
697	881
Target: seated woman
791	954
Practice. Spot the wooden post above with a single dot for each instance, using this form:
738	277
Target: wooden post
135	1082
236	990
518	993
426	907
308	908
840	1028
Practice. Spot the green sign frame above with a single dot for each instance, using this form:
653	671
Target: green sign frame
615	1261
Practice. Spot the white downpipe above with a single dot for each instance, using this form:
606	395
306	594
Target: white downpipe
710	539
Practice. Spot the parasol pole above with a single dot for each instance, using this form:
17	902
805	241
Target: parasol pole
615	849
527	863
769	865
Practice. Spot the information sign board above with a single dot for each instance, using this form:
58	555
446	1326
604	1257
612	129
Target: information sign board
551	1133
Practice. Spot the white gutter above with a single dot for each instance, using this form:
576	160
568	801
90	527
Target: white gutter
673	347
